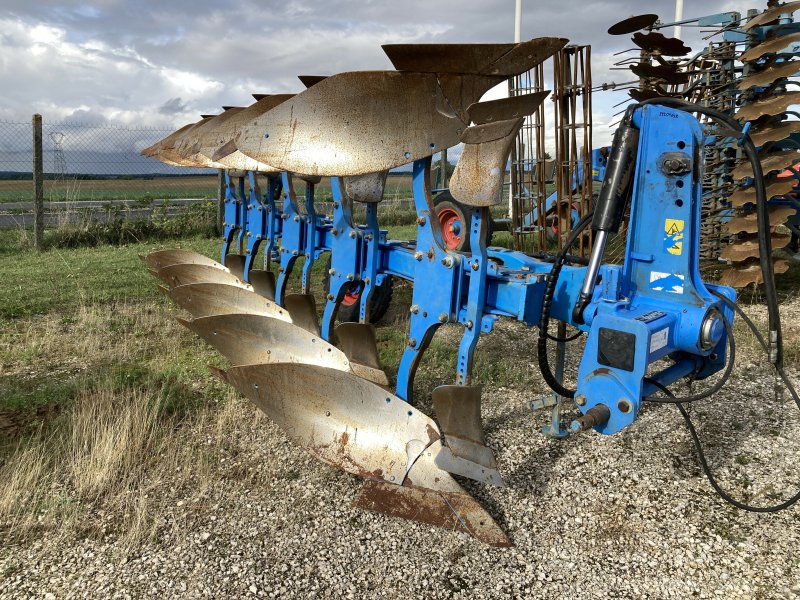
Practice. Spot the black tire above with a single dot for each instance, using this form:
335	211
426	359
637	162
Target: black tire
379	304
445	202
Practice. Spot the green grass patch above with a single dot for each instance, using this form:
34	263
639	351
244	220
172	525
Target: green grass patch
18	393
35	283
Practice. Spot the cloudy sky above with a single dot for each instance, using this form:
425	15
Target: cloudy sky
161	64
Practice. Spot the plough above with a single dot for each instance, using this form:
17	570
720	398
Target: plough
649	321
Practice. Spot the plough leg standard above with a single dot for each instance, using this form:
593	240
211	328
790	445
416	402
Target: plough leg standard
650	321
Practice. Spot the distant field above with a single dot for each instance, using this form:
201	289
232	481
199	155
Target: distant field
76	190
201	186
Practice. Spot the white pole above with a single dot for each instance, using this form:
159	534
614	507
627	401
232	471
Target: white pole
678	17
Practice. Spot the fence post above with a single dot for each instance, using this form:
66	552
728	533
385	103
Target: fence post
38	184
220	200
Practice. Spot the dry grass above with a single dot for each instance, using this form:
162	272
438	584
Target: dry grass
131	427
104	467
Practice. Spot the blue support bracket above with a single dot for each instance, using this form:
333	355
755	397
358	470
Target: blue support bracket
261	221
310	238
242	210
292	237
232	216
345	255
371	260
432	304
476	269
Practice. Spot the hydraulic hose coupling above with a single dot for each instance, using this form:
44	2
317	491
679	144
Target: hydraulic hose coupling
595	416
611	202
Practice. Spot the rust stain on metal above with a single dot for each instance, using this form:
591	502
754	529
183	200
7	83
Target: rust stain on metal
779	187
474	59
770	47
749	223
747	247
770	106
451	510
775	161
743	275
480	172
771	15
769	75
506	109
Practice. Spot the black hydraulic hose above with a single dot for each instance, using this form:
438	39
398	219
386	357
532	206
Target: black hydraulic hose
569	338
762	342
707	470
762	216
547	300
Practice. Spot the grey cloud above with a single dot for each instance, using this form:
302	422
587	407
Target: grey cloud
162	63
172	106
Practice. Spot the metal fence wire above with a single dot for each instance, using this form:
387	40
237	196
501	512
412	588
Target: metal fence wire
86	162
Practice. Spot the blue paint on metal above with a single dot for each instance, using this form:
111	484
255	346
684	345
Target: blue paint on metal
660	275
292	237
656	296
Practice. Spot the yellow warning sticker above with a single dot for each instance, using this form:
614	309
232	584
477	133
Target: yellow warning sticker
673	236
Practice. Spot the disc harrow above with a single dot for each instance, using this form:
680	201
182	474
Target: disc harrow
323	384
746	75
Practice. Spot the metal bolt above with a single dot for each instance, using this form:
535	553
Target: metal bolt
349	277
447	261
418	255
475	266
296	218
580	399
412	342
335	231
295	253
442	317
329	296
414	309
280	269
352	234
366	280
335	205
421	221
469	324
624	405
331	271
368	237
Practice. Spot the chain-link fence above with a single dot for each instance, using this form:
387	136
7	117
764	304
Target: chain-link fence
96	186
84	162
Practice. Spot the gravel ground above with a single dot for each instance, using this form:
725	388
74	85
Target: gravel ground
625	516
